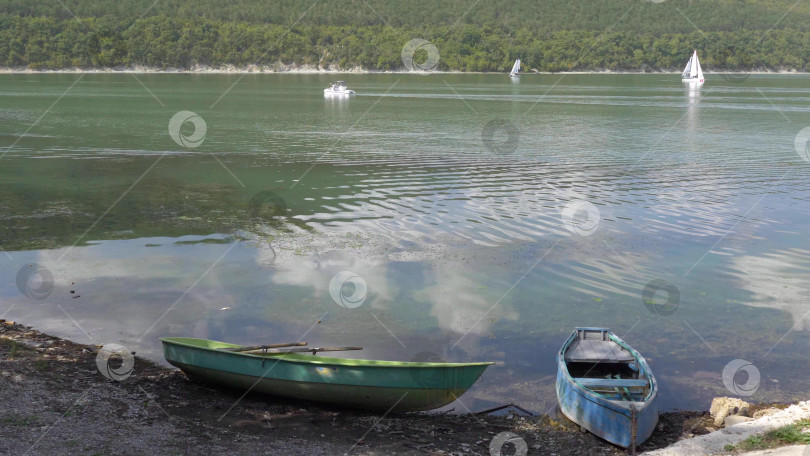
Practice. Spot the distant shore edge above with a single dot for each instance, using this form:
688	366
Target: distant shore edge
275	69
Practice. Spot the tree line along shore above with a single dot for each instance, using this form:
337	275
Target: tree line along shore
547	35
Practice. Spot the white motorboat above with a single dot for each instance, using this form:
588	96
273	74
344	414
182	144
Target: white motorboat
338	88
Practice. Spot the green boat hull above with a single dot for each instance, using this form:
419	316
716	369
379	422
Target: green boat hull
384	385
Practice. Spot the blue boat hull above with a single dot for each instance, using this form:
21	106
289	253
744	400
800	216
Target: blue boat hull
603	418
609	419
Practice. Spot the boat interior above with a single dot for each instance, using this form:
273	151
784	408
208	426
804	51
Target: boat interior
603	366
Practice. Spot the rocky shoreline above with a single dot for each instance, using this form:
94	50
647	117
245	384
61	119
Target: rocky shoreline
56	401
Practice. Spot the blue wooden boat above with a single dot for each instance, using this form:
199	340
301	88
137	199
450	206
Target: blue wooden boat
606	386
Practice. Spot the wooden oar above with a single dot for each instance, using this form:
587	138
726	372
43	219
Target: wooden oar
263	347
313	350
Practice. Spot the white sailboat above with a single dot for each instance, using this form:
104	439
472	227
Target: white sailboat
693	72
515	69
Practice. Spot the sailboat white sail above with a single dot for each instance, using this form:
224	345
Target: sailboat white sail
693	72
515	68
688	69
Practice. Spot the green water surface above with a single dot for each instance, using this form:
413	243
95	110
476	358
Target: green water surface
460	201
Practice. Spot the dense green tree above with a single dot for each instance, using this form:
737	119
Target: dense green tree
486	35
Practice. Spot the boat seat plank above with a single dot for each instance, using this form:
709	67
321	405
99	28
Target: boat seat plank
604	351
611	383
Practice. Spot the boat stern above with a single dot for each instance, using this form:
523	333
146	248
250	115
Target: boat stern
615	421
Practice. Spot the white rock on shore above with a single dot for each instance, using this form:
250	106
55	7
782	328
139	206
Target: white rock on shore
723	407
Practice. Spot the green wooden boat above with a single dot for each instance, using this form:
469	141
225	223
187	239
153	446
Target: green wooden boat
384	385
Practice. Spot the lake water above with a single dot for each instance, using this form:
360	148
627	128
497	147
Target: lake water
460	217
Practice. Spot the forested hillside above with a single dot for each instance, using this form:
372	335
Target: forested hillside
485	35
